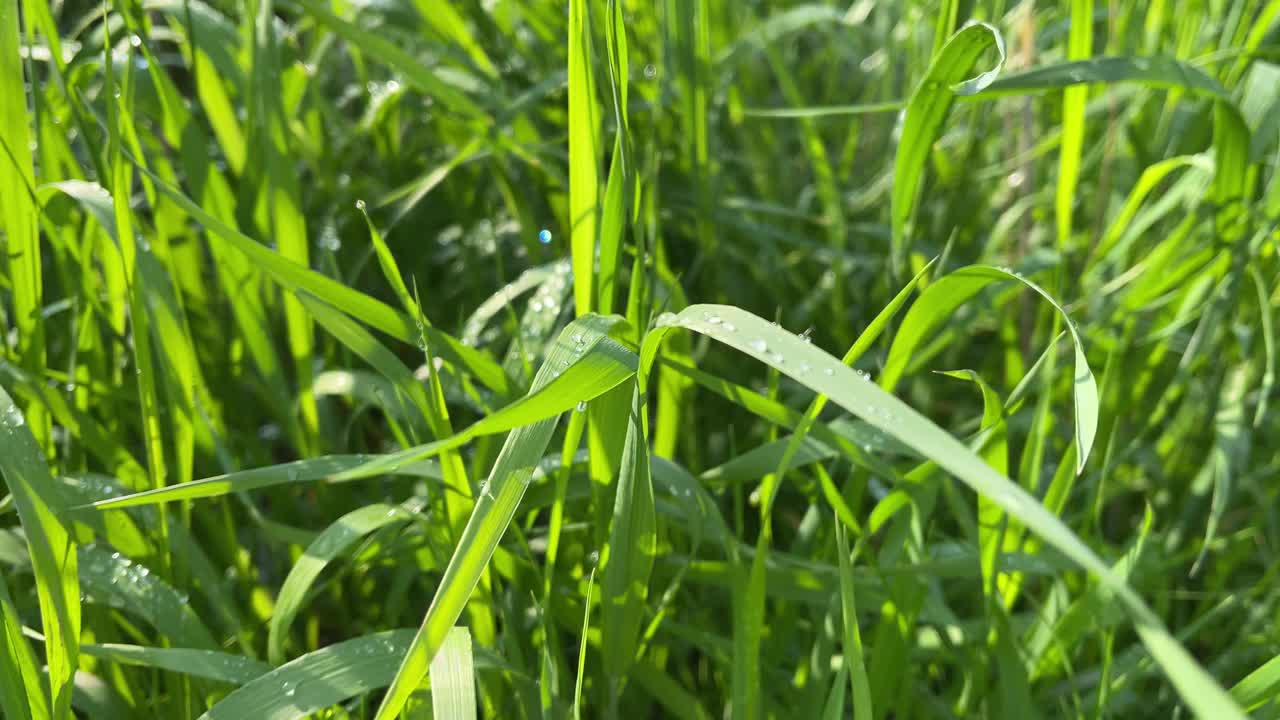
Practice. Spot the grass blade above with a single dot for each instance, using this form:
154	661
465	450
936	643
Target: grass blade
1079	47
453	681
335	540
948	76
944	296
584	155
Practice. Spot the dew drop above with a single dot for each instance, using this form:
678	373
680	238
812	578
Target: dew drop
579	339
544	236
828	372
289	689
650	71
713	319
804	368
135	41
729	327
582	406
758	345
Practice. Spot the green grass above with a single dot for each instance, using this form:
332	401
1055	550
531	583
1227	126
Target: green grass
879	359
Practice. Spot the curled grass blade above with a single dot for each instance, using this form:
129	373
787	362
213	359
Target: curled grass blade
942	298
948	76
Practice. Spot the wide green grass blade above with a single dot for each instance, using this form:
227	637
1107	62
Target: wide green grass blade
824	374
39	502
110	579
947	77
453	680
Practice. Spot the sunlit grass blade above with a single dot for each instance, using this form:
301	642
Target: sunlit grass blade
22	257
1079	47
453	682
584	155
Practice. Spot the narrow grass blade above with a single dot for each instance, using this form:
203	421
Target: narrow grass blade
994	449
22	254
1259	686
294	277
453	680
853	652
1079	47
298	471
628	557
582	648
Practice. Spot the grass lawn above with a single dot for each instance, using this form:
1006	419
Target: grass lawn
455	359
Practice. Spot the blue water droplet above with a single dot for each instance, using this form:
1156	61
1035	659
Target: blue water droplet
544	236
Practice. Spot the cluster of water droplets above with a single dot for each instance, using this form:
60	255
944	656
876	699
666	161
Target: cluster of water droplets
13	417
